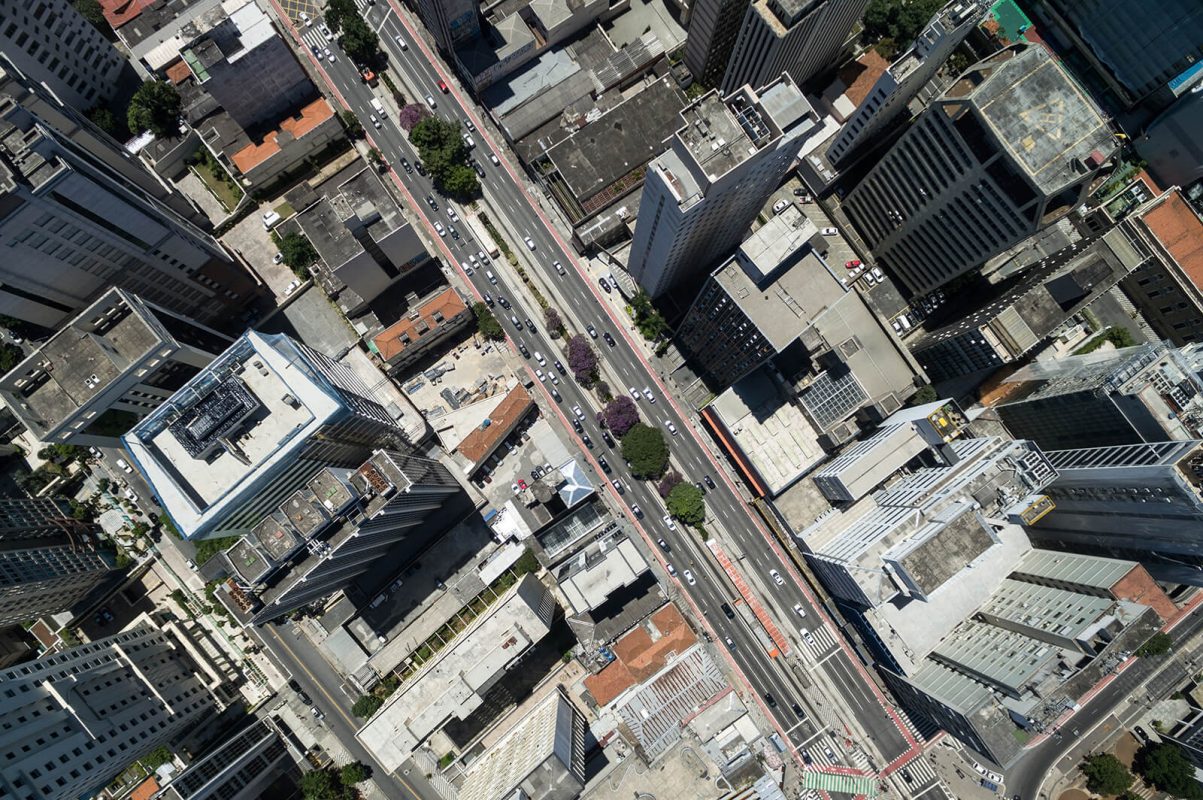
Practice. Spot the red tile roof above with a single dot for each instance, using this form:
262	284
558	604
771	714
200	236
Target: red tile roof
119	12
478	444
178	72
299	126
860	75
145	790
1180	231
642	653
393	340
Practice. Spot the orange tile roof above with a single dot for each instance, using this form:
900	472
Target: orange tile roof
642	653
145	790
860	75
390	344
119	12
178	72
478	444
299	126
1180	231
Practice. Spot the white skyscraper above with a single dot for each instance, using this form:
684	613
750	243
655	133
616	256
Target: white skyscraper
700	195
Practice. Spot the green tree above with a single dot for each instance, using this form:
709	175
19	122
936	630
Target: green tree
487	324
352	124
320	784
645	451
458	181
358	40
156	758
1164	766
1157	645
685	503
1106	774
926	394
900	20
10	356
298	253
366	706
338	12
91	11
104	119
354	773
648	320
155	107
443	152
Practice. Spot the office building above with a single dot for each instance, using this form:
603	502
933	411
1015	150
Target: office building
49	561
1147	393
1142	502
247	68
1036	304
106	369
453	683
75	720
801	38
74	222
1011	147
1169	143
542	757
1145	52
713	28
246	766
451	22
250	429
700	195
887	101
339	525
56	47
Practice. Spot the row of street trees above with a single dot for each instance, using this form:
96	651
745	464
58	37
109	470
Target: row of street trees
443	152
355	37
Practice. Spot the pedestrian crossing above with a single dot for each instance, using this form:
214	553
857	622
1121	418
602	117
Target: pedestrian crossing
920	770
313	38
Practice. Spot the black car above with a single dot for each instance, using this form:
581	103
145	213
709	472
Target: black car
601	462
609	339
555	394
501	301
588	442
530	323
418	166
770	700
727	611
409	170
701	488
522	349
560	368
454	232
664	545
292	684
479	169
488	301
304	698
605	284
430	202
576	425
798	711
709	482
607	438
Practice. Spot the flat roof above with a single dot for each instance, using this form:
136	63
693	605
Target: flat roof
354	191
623	139
532	740
589	578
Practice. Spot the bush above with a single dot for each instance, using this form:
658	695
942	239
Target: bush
1105	774
157	758
155	107
366	706
1164	766
900	20
555	325
207	548
487	324
352	124
686	503
582	360
645	451
1157	645
10	356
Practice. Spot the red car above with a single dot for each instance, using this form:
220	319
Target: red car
443	87
851	264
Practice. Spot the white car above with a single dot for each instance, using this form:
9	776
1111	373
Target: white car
468	141
496	161
191	564
438	227
480	254
829	231
305	18
689	578
799	610
671	428
579	414
375	122
401	43
881	276
278	258
780	206
330	55
651	398
539	374
430	100
806	635
559	268
776	576
466	268
124	466
326	32
270	218
451	215
292	286
668	520
634	393
530	243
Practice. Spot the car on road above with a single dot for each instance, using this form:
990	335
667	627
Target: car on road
480	254
477	168
797	709
468	124
664	545
530	243
375	121
780	206
124	466
647	392
637	511
496	161
501	301
443	87
668	520
769	700
330	56
604	284
728	612
591	330
689	578
709	481
451	215
810	639
799	610
671	428
609	339
419	168
516	322
454	232
401	43
522	349
829	231
559	367
671	569
316	712
539	374
577	411
430	201
439	229
605	465
305	698
430	100
405	165
530	323
730	642
555	395
618	486
776	576
325	31
634	393
469	142
607	438
559	268
305	18
588	442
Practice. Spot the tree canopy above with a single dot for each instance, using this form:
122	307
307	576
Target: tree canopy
445	155
1106	774
487	324
366	706
899	20
647	319
354	773
645	451
1164	766
92	12
686	503
352	124
410	115
298	253
358	40
155	107
338	12
10	356
582	359
619	415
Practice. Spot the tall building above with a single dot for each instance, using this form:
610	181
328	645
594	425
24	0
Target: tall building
1142	502
250	429
245	766
73	721
54	45
542	757
106	369
49	561
1009	148
800	38
700	195
74	221
713	28
338	526
450	22
903	79
1144	51
1170	145
1147	393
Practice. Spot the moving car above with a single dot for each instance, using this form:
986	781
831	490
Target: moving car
689	578
591	330
430	100
443	87
530	243
559	268
664	545
668	520
776	576
401	43
647	392
671	428
799	610
609	339
708	481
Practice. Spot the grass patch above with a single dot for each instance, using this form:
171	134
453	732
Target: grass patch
1120	337
207	548
220	184
285	210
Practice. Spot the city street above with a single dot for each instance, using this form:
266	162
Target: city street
839	691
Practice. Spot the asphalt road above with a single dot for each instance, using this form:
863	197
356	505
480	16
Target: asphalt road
841	691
